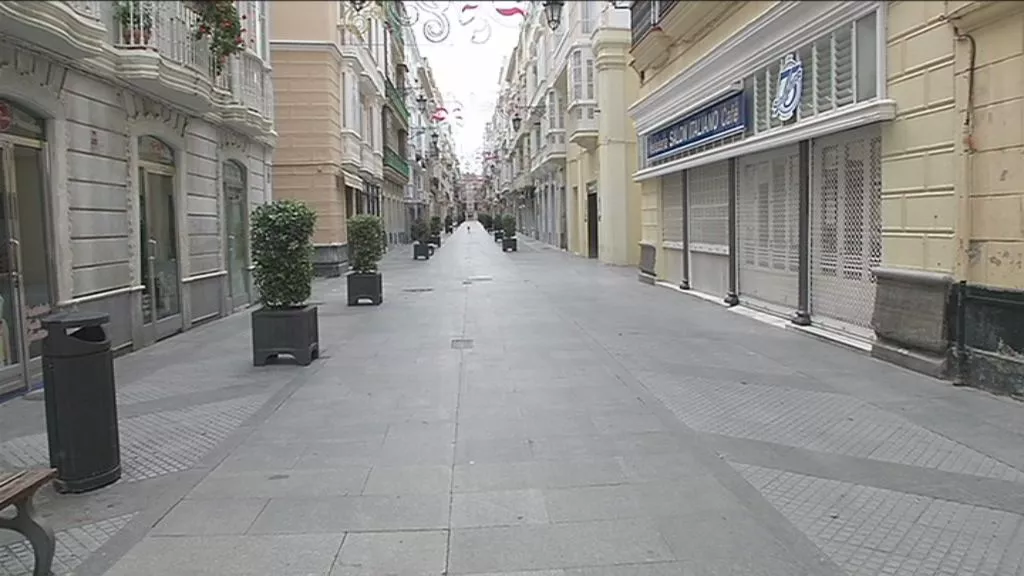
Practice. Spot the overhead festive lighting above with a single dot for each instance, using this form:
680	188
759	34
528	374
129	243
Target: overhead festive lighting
434	20
553	13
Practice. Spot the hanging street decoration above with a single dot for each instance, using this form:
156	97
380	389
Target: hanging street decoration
431	18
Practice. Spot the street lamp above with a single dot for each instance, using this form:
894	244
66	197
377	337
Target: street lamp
433	139
421	101
553	12
516	122
357	5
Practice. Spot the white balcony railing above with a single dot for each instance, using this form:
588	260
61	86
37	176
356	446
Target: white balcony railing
555	143
163	27
89	8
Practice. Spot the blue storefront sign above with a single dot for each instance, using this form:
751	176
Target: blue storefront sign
719	120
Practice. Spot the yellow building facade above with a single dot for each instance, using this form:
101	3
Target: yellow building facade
854	166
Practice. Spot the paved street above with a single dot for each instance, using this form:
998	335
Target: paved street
537	414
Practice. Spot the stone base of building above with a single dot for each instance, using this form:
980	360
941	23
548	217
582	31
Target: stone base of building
991	346
330	260
913	320
648	256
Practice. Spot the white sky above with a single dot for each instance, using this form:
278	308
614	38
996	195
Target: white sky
467	73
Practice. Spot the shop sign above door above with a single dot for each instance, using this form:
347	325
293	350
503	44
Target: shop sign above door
714	122
791	80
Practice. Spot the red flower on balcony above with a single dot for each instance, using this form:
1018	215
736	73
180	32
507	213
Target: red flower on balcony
219	21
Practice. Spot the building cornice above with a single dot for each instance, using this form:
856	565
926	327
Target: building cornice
782	27
300	45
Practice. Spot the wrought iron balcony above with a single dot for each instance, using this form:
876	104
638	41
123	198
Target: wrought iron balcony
395	161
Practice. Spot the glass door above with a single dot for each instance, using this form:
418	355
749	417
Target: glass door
238	237
13	377
161	297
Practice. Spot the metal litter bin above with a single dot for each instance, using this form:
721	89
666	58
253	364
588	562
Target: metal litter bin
81	403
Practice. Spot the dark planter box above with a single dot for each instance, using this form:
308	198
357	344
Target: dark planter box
498	235
509	244
420	250
365	287
291	331
435	240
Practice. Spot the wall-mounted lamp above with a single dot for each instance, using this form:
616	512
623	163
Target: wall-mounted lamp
516	122
357	5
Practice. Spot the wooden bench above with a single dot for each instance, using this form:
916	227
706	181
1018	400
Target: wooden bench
17	489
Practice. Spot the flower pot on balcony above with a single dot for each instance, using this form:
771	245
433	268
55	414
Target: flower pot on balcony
136	37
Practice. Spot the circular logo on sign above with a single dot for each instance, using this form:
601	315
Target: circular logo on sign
5	117
787	99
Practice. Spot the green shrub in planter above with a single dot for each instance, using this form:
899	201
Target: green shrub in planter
508	239
485	221
421	240
496	226
282	254
435	230
448	222
365	249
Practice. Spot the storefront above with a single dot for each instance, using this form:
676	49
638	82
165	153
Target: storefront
770	183
26	266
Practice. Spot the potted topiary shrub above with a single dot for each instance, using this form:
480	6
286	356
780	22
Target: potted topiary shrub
496	225
508	239
282	255
365	248
485	221
448	223
420	240
435	231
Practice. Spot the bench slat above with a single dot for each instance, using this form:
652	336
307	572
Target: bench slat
18	485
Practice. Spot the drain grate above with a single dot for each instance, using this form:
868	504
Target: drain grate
480	278
462	343
417	289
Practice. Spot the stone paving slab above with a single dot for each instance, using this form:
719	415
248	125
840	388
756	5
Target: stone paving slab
570	434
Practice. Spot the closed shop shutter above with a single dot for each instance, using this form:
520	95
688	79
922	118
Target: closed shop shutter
672	208
707	192
846	229
768	202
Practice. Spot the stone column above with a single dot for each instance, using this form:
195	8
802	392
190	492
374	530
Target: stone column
616	151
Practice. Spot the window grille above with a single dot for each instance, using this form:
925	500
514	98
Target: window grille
672	207
846	237
707	190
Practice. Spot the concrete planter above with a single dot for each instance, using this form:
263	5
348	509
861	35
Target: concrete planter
365	287
293	332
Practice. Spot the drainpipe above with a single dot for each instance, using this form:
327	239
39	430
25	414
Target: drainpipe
964	190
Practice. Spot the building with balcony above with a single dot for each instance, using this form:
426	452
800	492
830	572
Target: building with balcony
573	146
841	164
132	153
395	119
330	94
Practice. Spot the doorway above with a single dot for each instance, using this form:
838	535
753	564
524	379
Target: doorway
236	214
592	245
161	278
26	286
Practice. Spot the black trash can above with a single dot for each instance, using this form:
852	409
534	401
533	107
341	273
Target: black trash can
81	403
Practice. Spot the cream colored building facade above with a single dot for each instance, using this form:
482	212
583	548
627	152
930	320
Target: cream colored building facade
129	162
567	167
331	96
854	166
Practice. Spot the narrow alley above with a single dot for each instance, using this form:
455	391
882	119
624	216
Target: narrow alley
536	413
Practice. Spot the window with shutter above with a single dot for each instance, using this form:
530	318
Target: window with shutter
577	75
672	207
640	17
590	79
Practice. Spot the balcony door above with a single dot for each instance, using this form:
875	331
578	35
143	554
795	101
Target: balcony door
161	297
26	287
236	214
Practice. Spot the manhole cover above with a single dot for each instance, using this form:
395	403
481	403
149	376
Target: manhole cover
462	343
417	289
480	278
